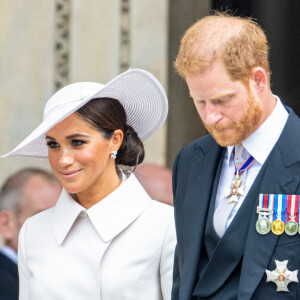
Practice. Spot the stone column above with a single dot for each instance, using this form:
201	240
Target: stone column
184	124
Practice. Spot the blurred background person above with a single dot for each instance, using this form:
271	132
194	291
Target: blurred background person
157	181
22	195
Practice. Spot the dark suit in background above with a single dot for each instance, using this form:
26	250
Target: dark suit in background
9	280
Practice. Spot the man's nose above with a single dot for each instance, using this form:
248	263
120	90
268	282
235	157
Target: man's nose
212	114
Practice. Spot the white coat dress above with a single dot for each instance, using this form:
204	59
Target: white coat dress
120	249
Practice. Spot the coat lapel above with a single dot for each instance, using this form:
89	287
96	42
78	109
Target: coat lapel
195	208
110	216
119	209
230	248
281	177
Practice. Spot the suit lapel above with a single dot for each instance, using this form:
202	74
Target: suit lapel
195	207
230	248
280	178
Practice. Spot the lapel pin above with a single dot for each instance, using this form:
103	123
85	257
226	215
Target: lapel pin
281	276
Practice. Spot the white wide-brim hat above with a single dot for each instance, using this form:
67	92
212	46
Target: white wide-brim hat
140	93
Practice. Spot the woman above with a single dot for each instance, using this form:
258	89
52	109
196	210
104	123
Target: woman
105	238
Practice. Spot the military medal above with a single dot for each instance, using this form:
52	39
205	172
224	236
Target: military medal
279	211
277	226
263	225
291	227
265	211
236	188
281	276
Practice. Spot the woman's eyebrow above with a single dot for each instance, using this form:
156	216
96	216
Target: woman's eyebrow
50	138
69	137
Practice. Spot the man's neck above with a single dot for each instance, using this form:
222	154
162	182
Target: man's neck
269	103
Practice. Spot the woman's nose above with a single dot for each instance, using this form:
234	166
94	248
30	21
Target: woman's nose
66	158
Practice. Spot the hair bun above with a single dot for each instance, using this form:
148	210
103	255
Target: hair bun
131	152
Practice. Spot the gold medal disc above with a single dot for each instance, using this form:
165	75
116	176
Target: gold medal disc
277	227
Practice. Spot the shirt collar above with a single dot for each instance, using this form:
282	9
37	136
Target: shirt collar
261	142
109	216
10	253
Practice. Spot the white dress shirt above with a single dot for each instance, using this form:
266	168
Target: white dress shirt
259	144
119	249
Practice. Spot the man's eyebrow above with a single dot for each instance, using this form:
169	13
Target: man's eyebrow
216	97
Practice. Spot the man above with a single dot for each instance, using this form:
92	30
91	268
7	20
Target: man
23	194
253	148
157	181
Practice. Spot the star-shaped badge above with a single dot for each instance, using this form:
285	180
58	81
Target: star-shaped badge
281	276
234	192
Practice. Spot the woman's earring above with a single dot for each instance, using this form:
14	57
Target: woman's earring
114	154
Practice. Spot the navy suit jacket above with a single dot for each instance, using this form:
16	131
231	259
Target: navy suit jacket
9	280
194	174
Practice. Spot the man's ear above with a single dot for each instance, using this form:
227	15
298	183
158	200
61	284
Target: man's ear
7	224
258	79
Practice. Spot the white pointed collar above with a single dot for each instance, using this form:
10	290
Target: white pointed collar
110	216
261	142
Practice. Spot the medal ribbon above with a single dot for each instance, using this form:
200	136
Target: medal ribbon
280	207
293	208
248	162
261	204
297	208
271	206
266	201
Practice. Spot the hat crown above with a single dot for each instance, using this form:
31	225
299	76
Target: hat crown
71	93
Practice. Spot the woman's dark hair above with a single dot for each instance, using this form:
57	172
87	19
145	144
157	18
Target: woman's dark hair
108	115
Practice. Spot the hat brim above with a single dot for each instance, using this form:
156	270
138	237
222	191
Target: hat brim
140	93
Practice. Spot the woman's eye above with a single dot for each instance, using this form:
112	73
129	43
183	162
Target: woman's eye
52	145
77	143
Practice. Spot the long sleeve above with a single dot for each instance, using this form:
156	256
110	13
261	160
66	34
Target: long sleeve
24	274
167	259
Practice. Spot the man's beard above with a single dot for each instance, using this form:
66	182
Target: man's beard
235	132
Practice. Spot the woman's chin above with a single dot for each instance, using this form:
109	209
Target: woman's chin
71	189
